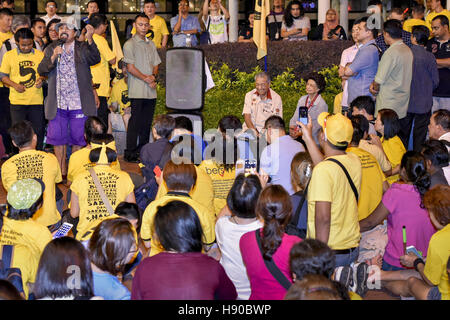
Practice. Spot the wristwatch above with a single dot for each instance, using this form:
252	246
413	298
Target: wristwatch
417	262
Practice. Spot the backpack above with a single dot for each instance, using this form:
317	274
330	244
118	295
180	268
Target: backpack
13	275
292	227
380	52
147	191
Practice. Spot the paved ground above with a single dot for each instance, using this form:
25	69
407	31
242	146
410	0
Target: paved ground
132	167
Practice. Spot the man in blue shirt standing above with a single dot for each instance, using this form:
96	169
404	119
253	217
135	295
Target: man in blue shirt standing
362	70
184	27
425	79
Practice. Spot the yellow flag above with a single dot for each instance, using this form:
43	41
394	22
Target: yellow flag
116	47
262	10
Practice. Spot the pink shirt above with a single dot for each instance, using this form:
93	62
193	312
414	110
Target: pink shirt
403	203
347	57
263	285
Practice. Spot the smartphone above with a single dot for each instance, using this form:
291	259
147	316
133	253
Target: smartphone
345	111
303	115
250	167
413	250
157	171
63	230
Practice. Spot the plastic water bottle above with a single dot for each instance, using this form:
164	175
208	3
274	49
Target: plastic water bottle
188	40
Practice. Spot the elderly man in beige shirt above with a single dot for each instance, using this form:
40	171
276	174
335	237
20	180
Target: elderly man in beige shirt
261	103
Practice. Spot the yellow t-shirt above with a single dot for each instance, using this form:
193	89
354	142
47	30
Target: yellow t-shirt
79	163
119	94
330	184
410	23
23	259
377	152
371	182
36	164
117	185
337	105
3	37
157	30
203	191
100	72
205	215
433	14
22	69
25	232
394	150
436	264
222	181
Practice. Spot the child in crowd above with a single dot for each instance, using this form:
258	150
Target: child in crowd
120	111
402	205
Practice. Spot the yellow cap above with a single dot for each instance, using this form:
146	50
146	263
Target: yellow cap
337	128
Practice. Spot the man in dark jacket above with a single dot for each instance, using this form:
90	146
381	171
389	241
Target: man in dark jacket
71	97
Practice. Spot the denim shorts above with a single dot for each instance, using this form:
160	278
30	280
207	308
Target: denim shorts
434	294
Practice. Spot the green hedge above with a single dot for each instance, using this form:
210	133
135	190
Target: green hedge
227	97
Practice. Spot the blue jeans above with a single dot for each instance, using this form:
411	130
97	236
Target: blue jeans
389	267
347	259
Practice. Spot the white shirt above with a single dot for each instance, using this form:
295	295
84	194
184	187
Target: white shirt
299	23
228	235
347	57
217	28
446	137
47	18
260	110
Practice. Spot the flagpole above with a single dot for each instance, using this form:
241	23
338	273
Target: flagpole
265	63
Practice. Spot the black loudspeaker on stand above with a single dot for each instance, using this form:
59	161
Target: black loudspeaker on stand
186	83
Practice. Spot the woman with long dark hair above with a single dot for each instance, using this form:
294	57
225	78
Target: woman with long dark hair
241	201
295	24
387	126
182	271
61	260
402	206
269	243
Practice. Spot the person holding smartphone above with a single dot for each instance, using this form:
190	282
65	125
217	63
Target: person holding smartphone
314	103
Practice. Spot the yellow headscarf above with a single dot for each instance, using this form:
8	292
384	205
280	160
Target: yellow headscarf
103	159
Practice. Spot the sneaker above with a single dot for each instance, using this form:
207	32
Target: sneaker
360	271
344	275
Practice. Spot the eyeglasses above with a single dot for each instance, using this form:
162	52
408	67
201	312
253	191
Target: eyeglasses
51	6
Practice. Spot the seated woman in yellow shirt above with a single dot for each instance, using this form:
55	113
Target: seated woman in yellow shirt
86	201
388	126
17	227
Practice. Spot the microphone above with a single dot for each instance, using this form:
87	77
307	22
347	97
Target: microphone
61	44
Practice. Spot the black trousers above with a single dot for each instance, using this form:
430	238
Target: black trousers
103	111
5	119
421	121
34	114
139	125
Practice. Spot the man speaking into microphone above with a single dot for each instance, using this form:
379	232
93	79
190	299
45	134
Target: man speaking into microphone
70	98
